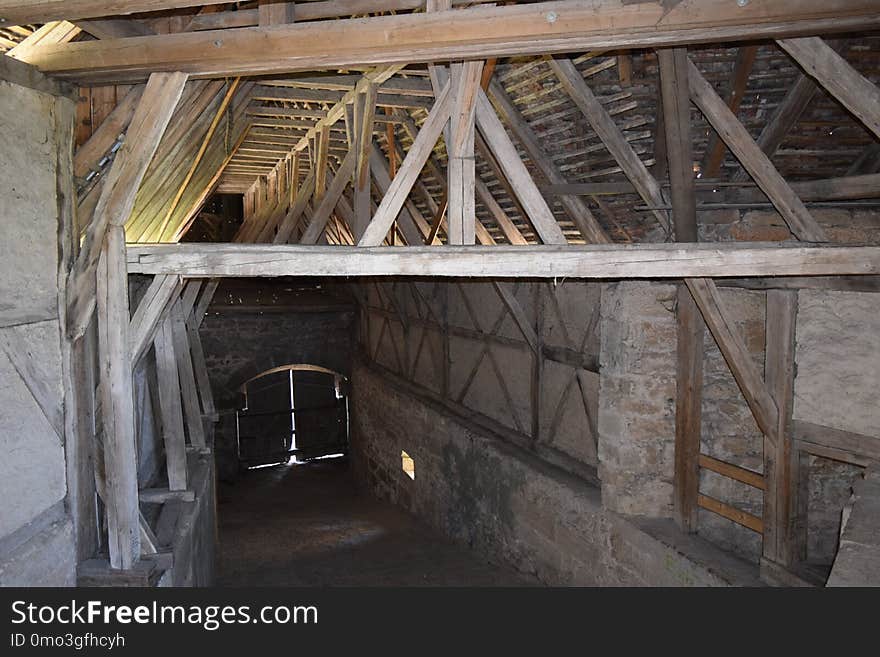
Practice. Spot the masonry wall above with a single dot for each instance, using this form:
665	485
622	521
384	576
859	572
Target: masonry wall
37	525
239	345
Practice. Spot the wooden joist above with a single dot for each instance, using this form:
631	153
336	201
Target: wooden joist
196	260
461	171
478	32
150	312
170	408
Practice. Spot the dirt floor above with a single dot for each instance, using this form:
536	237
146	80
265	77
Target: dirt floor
308	525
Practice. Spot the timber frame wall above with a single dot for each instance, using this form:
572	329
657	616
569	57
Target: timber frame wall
199	77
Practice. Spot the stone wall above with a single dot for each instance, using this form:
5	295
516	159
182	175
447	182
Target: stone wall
508	504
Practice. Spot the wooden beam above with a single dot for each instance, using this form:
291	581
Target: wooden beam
221	109
196	260
478	32
414	226
577	210
19	12
780	458
735	353
740	142
688	411
461	171
679	149
170	408
515	171
410	168
783	119
745	60
611	135
322	213
90	153
117	399
120	188
191	412
855	92
275	12
150	312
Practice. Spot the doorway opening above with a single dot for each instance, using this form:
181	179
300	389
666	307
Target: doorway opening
291	415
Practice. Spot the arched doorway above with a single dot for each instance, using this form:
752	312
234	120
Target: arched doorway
292	414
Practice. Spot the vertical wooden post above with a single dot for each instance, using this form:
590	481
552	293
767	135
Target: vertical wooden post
461	211
780	491
688	402
537	362
170	406
120	451
323	138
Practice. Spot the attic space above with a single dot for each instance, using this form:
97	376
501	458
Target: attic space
428	293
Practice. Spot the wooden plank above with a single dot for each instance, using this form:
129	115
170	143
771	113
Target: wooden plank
321	166
291	220
117	397
612	137
855	92
515	171
477	32
679	149
410	169
192	414
26	75
274	12
461	171
731	513
753	159
780	497
577	210
163	495
753	479
688	410
322	213
150	312
120	188
203	260
737	356
170	408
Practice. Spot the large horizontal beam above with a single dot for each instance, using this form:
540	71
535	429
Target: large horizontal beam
477	32
547	261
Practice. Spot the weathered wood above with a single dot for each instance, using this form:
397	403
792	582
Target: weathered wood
679	150
478	32
118	195
753	479
400	187
842	283
611	135
735	353
519	316
855	92
170	407
192	413
204	260
90	153
26	75
322	213
731	513
780	496
688	410
461	172
150	312
120	450
576	209
200	369
515	171
783	119
414	227
853	445
745	60
753	159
